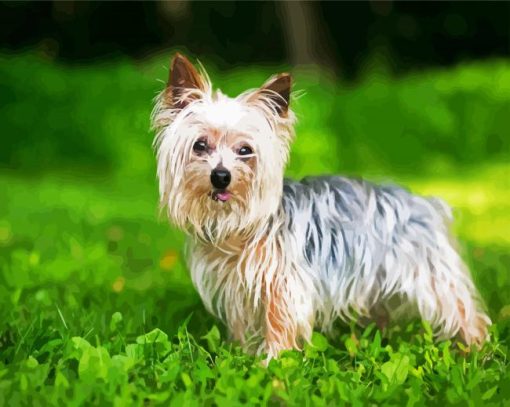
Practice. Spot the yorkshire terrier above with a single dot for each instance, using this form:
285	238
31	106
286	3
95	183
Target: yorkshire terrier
273	258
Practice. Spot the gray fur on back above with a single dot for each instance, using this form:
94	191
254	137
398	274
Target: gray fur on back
361	237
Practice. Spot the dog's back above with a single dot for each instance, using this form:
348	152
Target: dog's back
367	243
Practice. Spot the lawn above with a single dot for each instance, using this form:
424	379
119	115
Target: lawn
96	305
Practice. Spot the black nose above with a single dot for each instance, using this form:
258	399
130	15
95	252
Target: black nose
220	178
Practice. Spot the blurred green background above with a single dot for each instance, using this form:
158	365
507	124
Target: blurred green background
401	92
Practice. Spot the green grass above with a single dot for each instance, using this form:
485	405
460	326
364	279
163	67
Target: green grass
93	284
96	305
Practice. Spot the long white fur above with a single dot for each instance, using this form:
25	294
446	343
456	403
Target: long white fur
296	255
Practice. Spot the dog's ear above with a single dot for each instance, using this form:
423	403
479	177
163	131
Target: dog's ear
277	89
185	83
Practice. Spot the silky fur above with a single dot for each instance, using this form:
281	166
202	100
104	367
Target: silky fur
282	257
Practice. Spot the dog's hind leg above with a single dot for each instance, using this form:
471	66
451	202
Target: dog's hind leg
447	298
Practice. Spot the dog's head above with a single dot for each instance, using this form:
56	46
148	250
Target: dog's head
221	160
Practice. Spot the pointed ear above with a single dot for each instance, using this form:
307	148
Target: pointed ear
184	83
278	89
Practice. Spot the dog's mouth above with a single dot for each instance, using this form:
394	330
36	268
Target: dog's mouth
221	195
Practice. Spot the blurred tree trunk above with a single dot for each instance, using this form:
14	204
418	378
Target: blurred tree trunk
174	10
304	35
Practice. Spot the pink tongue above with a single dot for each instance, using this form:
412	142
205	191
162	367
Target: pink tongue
223	196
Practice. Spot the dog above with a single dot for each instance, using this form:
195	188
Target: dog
275	258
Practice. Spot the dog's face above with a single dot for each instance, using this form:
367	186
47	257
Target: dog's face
221	160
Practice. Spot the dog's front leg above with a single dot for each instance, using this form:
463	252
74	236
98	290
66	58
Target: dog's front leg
284	294
289	317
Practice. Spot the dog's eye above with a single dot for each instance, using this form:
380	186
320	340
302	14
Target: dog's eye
245	150
200	146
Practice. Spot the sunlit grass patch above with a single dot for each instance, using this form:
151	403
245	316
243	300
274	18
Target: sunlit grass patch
481	201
